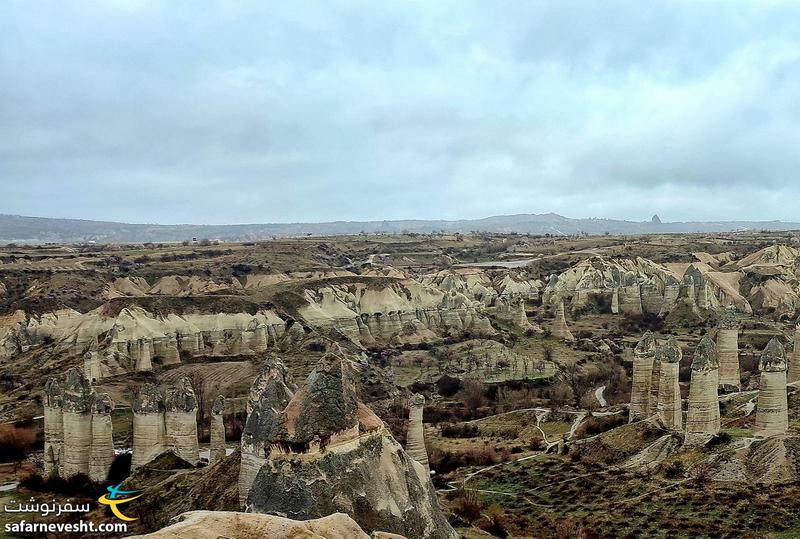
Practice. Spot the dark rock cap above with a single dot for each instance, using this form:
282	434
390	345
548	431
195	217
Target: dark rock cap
328	403
706	357
728	319
669	352
269	396
148	400
646	345
773	358
181	398
219	405
53	395
77	392
103	404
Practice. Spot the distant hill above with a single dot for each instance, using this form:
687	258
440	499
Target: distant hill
19	229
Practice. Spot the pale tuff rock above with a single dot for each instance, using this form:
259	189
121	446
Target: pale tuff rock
415	438
326	452
53	426
102	453
180	419
643	358
669	408
77	406
728	349
401	310
144	337
794	363
513	310
559	329
217	430
631	286
703	415
270	393
13	335
248	525
148	425
772	411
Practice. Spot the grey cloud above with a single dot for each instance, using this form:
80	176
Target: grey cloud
254	112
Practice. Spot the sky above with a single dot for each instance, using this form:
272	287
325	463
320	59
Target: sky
308	111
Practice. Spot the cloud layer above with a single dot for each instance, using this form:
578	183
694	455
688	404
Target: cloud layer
314	111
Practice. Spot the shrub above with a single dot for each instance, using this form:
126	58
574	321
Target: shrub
467	505
16	442
448	386
459	431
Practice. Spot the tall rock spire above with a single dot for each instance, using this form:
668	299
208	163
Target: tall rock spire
643	357
180	420
669	392
794	362
560	330
703	412
217	450
148	425
415	439
78	398
728	349
772	412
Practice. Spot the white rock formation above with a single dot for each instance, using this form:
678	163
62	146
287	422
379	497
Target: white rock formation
643	358
728	349
669	408
148	425
415	438
772	410
217	449
78	399
53	426
559	328
180	420
703	414
794	363
102	449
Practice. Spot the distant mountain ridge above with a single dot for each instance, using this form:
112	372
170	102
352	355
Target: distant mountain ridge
21	229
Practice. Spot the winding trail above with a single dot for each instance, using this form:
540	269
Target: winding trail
598	394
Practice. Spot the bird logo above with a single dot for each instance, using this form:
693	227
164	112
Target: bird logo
117	497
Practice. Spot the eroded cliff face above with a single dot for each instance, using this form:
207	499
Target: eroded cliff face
134	338
325	452
404	310
640	286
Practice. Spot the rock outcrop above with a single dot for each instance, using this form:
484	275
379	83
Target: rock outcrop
270	393
180	421
669	407
148	425
53	426
102	454
643	358
772	411
77	405
217	442
326	452
703	412
247	525
559	328
728	350
794	363
415	439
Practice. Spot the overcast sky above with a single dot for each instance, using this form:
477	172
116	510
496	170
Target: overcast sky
204	112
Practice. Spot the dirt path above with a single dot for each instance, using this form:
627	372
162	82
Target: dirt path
598	394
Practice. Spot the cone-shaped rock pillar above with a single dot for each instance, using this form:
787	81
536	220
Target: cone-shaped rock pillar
703	413
217	451
415	439
148	425
102	454
669	409
269	395
794	362
772	411
78	400
643	357
53	427
180	419
560	330
728	349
